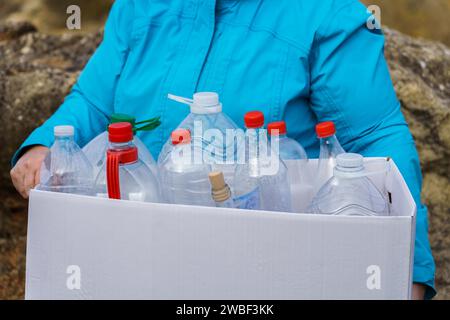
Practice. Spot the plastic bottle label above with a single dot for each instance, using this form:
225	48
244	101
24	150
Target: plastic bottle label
249	201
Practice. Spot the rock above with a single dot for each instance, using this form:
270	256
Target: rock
420	70
37	71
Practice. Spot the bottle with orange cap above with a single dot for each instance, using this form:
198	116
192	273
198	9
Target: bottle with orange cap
330	148
183	174
261	179
125	176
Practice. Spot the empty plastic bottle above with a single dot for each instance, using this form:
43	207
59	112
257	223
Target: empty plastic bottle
295	158
66	169
330	148
95	150
350	191
124	175
184	176
208	126
261	180
220	191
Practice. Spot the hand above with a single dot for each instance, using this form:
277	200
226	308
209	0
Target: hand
418	291
25	174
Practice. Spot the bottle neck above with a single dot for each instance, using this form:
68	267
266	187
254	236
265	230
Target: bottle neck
121	145
64	141
331	145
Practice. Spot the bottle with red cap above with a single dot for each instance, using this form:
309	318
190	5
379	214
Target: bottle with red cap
289	149
124	176
330	148
95	150
183	174
261	180
295	158
65	168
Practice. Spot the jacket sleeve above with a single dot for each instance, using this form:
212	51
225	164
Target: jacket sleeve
91	100
351	85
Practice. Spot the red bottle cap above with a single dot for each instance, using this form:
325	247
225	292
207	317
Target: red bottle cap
325	129
181	136
276	128
254	119
120	132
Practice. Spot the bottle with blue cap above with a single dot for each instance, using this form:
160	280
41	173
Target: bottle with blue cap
65	168
350	191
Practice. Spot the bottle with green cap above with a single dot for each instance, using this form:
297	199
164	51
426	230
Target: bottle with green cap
95	150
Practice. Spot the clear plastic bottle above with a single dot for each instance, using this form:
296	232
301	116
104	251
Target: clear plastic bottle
184	177
295	158
95	150
66	169
220	191
350	191
261	178
205	119
124	175
330	148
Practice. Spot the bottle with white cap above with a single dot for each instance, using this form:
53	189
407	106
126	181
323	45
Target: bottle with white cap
208	127
350	191
65	168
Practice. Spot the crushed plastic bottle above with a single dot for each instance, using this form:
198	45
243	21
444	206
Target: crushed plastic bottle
184	176
350	191
124	175
295	157
206	116
95	150
261	180
65	168
220	191
330	148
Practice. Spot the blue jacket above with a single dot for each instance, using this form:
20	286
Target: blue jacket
301	61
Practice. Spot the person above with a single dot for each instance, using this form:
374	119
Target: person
300	61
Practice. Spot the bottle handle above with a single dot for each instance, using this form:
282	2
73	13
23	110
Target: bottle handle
112	174
180	99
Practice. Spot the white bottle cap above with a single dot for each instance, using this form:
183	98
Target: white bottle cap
63	131
350	160
203	102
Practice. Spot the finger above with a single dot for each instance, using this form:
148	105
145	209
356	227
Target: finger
28	182
17	179
37	177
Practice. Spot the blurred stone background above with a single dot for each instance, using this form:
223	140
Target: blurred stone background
40	60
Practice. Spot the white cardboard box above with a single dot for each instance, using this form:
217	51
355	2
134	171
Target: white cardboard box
92	248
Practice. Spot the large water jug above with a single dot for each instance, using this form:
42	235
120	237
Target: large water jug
124	175
350	191
184	176
211	129
65	168
95	150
